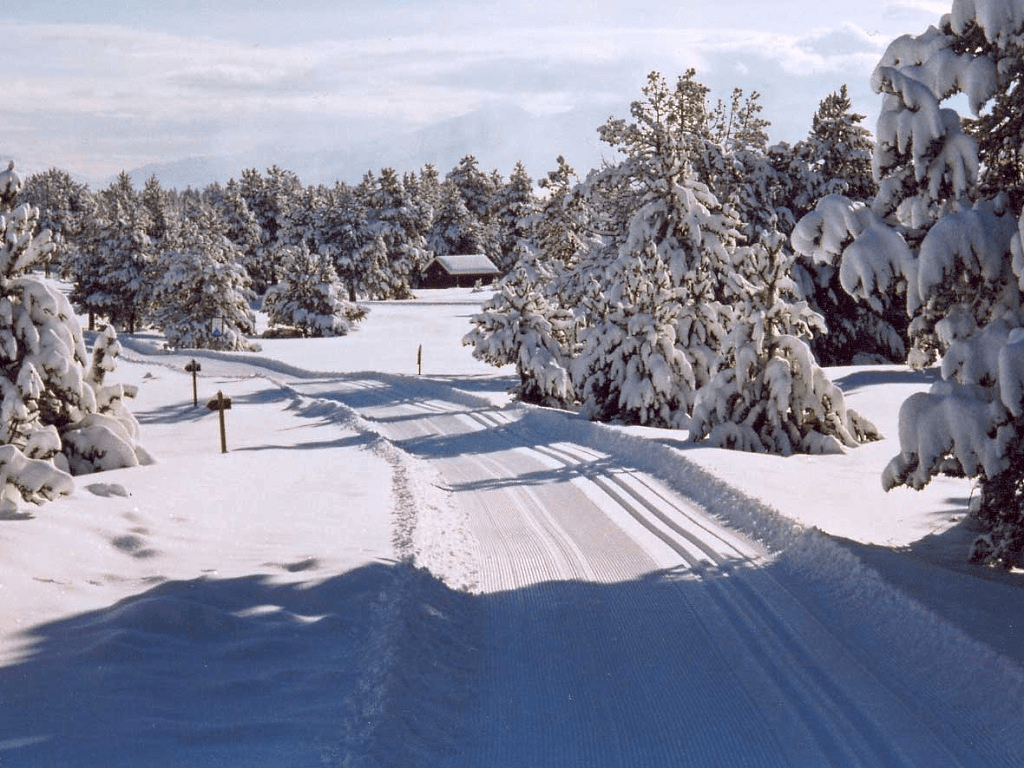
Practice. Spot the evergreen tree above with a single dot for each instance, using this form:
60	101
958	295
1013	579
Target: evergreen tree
513	211
629	367
767	394
477	189
238	223
837	163
202	299
454	229
962	257
393	219
66	208
113	273
693	234
309	296
560	228
838	150
49	419
520	326
272	199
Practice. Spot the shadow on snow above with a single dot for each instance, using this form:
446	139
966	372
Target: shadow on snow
386	666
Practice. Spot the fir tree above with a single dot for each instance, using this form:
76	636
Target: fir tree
962	257
767	394
513	211
203	297
629	367
309	296
114	271
520	326
50	420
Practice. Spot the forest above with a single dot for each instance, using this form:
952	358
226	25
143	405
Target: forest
702	280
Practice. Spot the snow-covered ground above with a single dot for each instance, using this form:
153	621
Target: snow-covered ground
390	568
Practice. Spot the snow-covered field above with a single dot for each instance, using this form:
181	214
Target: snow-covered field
389	568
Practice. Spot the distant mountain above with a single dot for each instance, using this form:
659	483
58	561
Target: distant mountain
536	140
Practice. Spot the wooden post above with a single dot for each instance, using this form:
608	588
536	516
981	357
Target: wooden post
221	404
419	361
223	429
194	368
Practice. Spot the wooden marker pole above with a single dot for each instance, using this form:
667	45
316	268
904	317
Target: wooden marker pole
221	404
194	368
419	361
223	428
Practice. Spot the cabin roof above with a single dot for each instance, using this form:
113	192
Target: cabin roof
466	264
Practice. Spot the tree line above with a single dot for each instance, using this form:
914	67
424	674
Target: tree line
180	260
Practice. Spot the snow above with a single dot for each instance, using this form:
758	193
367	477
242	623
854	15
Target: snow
270	606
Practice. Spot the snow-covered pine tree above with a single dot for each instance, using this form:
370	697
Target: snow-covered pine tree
106	438
693	234
238	223
272	199
966	270
393	220
114	272
629	367
560	227
453	228
477	189
835	160
309	296
203	297
767	394
520	326
47	402
513	211
838	150
66	208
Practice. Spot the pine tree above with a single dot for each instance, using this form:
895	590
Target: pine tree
693	234
203	297
478	189
629	367
309	296
113	273
520	326
513	211
836	159
393	219
66	208
767	394
964	259
454	229
50	420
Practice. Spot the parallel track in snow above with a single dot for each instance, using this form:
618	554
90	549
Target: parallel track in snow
625	626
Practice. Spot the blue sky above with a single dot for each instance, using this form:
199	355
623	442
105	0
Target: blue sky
99	87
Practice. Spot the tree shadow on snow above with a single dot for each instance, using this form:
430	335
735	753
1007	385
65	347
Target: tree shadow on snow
179	413
985	603
385	666
870	377
240	672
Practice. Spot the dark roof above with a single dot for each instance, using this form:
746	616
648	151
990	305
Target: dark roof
466	264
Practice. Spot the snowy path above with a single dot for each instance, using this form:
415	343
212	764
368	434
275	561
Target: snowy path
620	625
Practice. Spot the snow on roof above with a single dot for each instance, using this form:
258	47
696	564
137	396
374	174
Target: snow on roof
467	264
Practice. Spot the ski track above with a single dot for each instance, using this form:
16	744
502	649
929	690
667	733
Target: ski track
624	626
615	623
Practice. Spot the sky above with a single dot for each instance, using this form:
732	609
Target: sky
197	90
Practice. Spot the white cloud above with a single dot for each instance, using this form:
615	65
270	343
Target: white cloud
107	95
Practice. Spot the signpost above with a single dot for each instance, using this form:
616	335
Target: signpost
221	404
419	361
194	368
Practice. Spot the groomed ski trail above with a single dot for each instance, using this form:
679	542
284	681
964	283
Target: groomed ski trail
623	625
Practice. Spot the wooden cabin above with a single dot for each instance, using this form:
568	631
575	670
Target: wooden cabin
463	270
